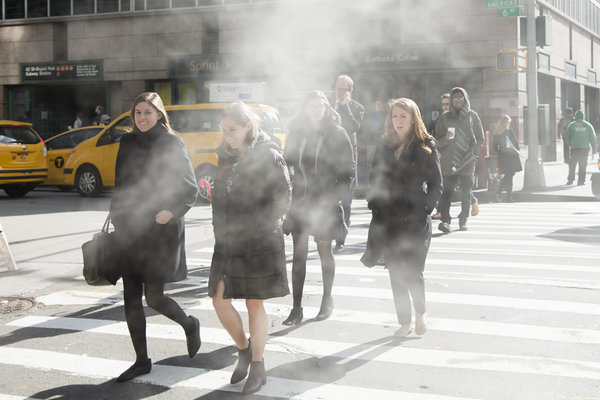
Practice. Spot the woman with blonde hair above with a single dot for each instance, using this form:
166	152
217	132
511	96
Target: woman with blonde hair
405	185
509	162
250	197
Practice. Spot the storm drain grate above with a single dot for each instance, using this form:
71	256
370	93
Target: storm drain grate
12	304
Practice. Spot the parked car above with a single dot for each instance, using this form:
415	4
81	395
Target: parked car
91	165
23	162
59	148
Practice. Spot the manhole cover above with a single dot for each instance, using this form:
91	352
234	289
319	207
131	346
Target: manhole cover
12	304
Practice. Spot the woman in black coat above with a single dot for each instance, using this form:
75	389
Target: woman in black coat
251	195
319	152
509	162
406	184
154	187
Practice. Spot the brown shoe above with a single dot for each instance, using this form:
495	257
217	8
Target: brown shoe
403	331
475	208
437	215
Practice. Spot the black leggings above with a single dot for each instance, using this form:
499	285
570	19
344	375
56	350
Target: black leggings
299	266
134	312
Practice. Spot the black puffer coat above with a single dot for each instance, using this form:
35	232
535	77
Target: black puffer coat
323	169
250	197
402	194
153	173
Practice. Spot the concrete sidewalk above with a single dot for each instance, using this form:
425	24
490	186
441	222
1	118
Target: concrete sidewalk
556	188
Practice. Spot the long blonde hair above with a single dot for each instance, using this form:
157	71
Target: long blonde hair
502	125
418	132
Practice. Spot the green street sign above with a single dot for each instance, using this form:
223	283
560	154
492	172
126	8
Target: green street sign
502	3
509	12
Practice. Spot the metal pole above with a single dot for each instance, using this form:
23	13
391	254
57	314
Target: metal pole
5	253
534	170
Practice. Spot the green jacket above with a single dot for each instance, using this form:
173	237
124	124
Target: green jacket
580	135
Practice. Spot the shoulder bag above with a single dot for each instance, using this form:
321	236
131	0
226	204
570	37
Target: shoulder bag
100	260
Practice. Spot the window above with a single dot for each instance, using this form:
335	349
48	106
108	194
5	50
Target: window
60	7
184	3
114	134
18	134
83	7
37	8
105	6
14	9
185	121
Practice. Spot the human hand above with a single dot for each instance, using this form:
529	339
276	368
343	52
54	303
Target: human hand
164	217
346	98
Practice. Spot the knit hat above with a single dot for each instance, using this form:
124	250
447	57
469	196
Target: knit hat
579	114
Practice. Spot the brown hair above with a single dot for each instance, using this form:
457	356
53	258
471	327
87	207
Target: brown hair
243	115
418	131
156	102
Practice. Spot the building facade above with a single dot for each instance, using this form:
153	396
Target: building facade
60	57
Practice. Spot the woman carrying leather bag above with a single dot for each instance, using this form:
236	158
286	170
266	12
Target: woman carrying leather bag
154	187
509	162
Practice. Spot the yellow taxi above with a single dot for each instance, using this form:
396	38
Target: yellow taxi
59	148
91	165
23	162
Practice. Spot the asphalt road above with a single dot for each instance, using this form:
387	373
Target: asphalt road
513	307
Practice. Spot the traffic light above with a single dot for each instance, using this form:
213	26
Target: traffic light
507	61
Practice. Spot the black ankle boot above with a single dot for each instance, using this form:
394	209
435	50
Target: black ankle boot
137	369
295	317
193	339
256	378
244	359
326	308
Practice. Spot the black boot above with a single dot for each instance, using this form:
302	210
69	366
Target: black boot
295	317
137	369
326	308
241	369
256	378
193	339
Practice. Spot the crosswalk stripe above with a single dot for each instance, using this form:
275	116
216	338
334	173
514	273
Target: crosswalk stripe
389	353
488	328
199	378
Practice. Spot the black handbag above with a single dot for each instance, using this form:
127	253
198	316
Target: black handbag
100	261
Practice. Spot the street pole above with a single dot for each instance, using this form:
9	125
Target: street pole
534	169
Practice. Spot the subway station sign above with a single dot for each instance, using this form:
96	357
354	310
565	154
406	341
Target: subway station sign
75	71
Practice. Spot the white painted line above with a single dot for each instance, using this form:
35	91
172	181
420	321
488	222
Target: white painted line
388	351
279	310
198	378
10	397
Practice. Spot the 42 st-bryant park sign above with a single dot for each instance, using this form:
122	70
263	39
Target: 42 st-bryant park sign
75	71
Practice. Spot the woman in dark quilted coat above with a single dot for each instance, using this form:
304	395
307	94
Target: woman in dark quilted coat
154	188
406	184
250	197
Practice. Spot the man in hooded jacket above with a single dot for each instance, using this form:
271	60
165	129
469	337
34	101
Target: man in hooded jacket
459	135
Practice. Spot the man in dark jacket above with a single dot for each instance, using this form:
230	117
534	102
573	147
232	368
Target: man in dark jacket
459	135
563	123
579	136
351	112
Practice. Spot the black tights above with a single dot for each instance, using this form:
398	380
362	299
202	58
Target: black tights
136	319
299	266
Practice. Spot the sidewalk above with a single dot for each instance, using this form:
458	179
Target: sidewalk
556	189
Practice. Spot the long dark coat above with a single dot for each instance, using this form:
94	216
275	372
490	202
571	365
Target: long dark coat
322	175
153	172
251	194
507	148
402	194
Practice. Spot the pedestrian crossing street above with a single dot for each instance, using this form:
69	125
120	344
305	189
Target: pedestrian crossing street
513	305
